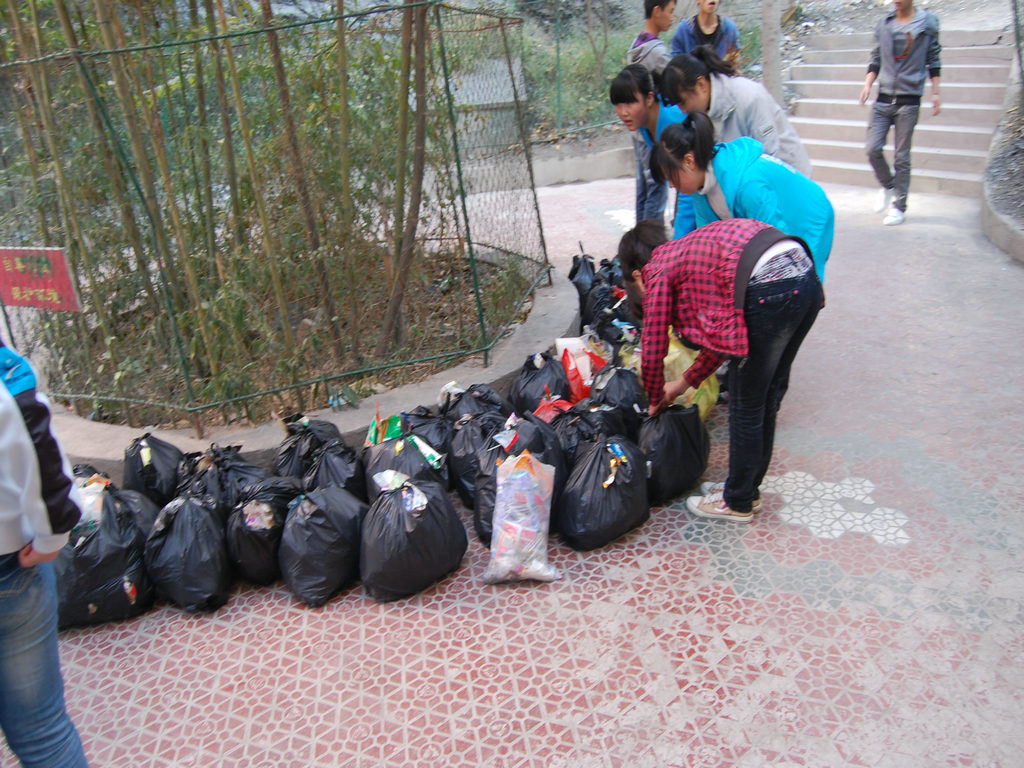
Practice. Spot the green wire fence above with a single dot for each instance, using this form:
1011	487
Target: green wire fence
263	216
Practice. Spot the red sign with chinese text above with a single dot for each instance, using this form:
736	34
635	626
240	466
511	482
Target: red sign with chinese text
36	277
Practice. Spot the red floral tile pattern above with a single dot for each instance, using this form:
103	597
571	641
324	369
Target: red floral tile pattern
871	616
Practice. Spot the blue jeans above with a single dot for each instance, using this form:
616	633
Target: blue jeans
32	712
651	198
778	316
903	117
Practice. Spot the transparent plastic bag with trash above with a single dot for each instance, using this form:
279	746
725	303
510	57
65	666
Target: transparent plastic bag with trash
522	513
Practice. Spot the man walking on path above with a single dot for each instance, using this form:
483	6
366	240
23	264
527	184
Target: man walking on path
906	52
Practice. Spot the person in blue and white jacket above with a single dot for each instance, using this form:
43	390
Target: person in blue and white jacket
38	508
736	180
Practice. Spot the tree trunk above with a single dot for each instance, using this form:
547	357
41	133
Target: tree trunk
599	50
347	235
298	169
771	54
131	228
182	241
122	88
412	217
237	224
257	192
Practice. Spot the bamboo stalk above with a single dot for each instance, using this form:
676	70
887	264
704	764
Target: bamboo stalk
405	256
79	256
131	119
237	223
298	170
131	227
243	126
345	161
156	135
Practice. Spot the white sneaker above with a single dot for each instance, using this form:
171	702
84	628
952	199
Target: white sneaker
707	488
893	217
713	506
883	200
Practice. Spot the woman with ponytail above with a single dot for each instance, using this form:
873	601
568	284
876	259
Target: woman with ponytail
702	81
737	180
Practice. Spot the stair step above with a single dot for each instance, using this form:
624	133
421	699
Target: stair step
964	55
957	93
966	137
952	114
961	184
921	157
954	38
994	72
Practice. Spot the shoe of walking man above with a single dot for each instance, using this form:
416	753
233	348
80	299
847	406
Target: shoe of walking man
905	55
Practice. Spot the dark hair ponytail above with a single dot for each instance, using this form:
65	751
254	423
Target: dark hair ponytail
695	134
683	71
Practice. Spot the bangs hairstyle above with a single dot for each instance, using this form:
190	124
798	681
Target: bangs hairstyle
683	71
631	84
695	134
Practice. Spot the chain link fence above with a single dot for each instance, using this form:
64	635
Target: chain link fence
263	217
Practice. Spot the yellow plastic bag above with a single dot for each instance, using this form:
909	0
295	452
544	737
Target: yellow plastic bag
677	360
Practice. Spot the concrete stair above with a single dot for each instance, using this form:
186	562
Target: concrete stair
950	150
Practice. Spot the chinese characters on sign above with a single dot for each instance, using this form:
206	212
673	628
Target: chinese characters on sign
36	277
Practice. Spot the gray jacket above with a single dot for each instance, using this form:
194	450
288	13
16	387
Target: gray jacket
652	55
905	55
742	107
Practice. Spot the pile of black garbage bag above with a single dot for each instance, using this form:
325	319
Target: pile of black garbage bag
324	515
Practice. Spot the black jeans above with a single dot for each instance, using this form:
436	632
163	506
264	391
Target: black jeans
778	317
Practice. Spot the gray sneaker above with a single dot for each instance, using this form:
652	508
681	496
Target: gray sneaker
707	487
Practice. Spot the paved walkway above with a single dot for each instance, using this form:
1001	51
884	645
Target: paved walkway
872	615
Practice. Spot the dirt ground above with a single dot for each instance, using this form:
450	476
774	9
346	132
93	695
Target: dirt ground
1005	173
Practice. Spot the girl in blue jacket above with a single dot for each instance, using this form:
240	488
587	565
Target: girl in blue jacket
736	180
636	102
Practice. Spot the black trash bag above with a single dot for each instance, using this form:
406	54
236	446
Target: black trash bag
579	426
412	537
339	465
610	270
187	557
101	574
597	305
531	434
582	274
472	432
143	511
676	444
534	384
151	468
319	551
477	398
619	386
305	437
85	471
255	526
432	427
218	477
403	455
605	495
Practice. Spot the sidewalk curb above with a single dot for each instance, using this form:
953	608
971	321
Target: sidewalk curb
554	313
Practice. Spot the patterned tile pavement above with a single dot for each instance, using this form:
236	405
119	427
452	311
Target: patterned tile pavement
870	616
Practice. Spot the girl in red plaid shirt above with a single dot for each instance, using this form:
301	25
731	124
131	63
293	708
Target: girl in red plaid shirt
736	289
